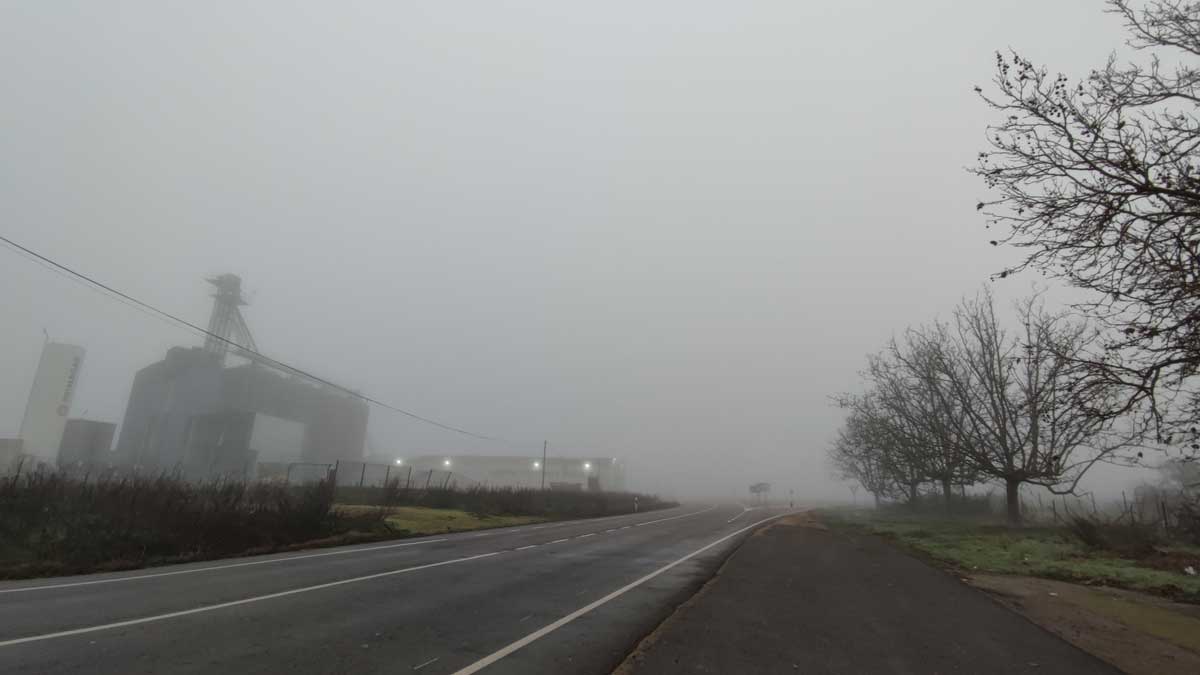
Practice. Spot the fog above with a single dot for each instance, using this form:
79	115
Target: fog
660	231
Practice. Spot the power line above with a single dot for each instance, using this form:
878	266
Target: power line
154	311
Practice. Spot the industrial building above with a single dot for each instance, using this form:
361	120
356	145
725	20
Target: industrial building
191	414
45	426
50	402
558	473
86	445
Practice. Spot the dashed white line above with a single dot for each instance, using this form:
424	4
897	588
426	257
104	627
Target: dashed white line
545	630
211	568
612	530
745	510
524	548
585	536
663	520
559	541
235	603
426	663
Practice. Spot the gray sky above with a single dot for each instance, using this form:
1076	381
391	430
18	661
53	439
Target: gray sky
666	231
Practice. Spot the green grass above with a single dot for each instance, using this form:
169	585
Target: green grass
982	546
418	520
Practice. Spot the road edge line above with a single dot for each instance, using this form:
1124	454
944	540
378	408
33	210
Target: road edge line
551	627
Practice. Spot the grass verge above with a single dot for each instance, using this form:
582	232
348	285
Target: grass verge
986	546
419	520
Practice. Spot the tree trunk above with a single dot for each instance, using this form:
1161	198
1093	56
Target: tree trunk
1012	494
947	493
876	496
912	495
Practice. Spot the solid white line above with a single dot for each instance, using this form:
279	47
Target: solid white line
426	663
235	603
211	568
545	630
523	548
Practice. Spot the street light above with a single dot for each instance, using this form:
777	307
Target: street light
537	465
399	461
445	462
587	466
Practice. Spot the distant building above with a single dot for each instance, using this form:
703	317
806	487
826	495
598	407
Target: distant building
189	413
86	445
242	445
165	397
561	473
10	455
50	401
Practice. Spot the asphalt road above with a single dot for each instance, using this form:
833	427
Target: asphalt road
570	597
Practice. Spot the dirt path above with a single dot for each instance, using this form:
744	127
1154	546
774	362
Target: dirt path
1140	634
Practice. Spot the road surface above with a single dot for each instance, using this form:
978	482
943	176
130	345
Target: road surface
567	597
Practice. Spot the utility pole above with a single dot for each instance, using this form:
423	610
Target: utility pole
544	444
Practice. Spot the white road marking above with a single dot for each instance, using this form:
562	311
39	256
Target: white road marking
426	663
270	596
545	630
612	530
585	536
211	568
525	618
663	520
745	510
523	548
235	603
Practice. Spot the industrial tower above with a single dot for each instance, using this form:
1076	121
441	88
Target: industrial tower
226	325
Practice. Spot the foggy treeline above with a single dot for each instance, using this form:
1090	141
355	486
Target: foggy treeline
1096	181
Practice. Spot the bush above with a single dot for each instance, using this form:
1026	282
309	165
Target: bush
1087	531
59	524
54	519
1187	520
1126	539
934	504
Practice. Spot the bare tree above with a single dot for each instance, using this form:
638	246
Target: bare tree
1026	416
856	458
928	421
1099	181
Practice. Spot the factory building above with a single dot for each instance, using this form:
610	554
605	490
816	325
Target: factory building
192	414
86	445
557	473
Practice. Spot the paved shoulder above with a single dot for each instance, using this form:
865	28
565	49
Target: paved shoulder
796	598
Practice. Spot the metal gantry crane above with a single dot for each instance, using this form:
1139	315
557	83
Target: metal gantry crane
227	325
